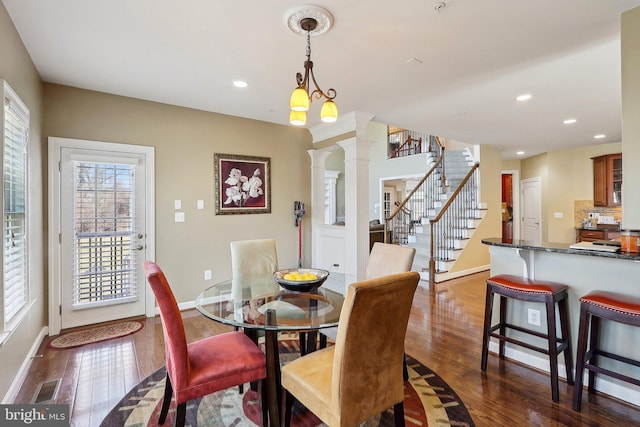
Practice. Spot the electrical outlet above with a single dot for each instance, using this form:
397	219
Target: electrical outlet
534	317
207	275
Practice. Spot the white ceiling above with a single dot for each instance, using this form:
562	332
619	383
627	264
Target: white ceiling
477	55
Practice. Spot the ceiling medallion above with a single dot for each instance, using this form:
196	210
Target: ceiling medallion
295	15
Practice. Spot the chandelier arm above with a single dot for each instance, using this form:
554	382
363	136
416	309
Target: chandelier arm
319	93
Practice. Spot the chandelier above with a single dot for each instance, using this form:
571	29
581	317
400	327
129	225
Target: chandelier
303	94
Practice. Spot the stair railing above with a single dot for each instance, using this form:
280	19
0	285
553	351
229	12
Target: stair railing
452	222
416	204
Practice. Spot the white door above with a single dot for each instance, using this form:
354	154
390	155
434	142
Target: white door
531	211
103	232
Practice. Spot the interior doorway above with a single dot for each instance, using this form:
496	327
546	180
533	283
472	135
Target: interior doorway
510	205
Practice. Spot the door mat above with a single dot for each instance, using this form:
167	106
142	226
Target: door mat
429	401
96	334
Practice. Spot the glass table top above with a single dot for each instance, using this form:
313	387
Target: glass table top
261	303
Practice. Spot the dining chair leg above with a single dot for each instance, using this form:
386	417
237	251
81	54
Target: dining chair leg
302	338
181	414
323	340
405	369
264	403
398	414
166	401
287	404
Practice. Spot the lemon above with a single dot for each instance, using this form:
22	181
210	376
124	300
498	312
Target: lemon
295	276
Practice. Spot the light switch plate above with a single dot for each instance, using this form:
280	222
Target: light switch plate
177	204
557	215
200	204
179	216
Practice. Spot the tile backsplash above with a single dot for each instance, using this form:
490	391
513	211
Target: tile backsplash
582	208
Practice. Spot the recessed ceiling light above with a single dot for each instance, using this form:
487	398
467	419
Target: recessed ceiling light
523	97
240	83
519	153
569	121
599	136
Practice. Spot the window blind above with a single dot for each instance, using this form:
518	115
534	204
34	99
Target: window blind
15	284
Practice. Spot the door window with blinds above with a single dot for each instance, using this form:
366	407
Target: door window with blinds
104	245
15	289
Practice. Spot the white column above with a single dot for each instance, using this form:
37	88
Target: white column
356	173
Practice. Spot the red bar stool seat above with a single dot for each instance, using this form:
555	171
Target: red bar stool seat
522	289
595	306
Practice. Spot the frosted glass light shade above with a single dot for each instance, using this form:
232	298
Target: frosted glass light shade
329	112
299	100
297	118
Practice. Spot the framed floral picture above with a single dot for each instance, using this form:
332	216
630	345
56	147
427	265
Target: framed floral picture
242	184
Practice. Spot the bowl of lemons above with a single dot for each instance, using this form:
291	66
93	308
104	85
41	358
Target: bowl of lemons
301	279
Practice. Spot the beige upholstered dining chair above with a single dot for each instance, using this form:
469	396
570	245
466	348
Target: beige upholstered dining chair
361	375
253	258
386	259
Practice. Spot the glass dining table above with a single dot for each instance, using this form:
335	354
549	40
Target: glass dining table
260	304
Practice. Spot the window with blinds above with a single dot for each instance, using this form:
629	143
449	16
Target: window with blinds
104	224
15	290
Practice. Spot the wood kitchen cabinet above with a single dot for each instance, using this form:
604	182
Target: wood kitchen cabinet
585	235
607	180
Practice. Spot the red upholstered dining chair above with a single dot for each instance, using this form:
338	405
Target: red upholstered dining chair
361	375
204	366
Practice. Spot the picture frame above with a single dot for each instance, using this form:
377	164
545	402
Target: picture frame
242	184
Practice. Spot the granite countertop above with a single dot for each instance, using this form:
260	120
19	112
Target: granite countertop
559	248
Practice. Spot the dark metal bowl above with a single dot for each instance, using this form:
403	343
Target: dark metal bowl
301	285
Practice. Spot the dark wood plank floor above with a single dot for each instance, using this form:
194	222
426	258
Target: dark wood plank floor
444	333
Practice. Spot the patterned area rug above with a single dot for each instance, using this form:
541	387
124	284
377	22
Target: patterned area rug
429	401
94	335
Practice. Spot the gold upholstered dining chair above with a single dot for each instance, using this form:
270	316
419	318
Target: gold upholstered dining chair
384	259
361	375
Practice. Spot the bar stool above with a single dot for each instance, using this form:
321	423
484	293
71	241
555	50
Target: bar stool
522	289
594	306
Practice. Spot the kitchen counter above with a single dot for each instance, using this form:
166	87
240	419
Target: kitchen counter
582	271
559	248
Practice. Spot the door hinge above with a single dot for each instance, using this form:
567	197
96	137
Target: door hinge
59	166
60	307
59	237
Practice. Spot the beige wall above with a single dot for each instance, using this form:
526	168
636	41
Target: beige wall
185	141
18	70
536	167
631	118
476	254
566	176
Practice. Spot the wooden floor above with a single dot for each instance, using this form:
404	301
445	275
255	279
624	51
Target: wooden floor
444	333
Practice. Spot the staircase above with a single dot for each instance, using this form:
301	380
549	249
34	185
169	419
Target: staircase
440	214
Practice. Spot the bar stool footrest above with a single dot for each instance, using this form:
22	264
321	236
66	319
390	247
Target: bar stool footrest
561	345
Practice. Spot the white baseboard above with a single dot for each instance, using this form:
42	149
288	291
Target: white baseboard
442	277
624	392
14	388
